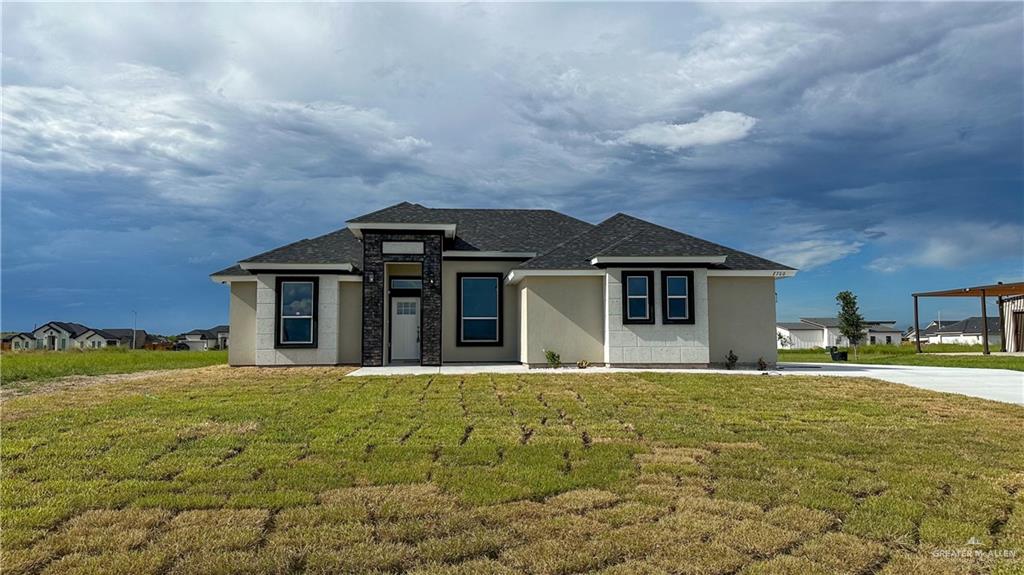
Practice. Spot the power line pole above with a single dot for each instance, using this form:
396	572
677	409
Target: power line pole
135	321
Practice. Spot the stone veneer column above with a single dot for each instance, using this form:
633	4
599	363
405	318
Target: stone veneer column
374	293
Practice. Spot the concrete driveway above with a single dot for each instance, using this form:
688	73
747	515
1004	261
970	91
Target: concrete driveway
996	384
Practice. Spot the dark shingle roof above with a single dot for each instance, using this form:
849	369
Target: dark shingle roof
562	242
339	246
125	334
209	333
10	336
623	235
971	326
235	270
796	325
487	230
75	329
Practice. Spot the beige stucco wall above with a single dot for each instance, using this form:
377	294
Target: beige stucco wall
563	314
242	317
350	323
741	313
450	352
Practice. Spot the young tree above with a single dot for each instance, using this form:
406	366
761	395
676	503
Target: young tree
851	323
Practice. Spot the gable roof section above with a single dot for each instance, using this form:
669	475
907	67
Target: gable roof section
787	325
626	236
209	333
485	229
72	328
970	326
339	246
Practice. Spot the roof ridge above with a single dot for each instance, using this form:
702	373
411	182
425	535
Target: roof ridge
593	228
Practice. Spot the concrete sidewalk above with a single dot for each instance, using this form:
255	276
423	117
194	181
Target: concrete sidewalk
995	384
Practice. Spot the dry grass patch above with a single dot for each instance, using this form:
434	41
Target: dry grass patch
267	471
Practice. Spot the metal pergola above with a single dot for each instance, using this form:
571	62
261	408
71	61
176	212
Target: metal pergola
999	291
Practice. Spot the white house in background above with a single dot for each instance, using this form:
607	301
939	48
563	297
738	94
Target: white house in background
823	332
59	335
928	331
18	342
968	331
206	339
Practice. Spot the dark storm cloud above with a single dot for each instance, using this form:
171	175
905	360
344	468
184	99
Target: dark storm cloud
180	138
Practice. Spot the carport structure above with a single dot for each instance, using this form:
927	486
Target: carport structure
999	291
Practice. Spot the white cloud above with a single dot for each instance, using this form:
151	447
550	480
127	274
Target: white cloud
952	245
710	129
812	253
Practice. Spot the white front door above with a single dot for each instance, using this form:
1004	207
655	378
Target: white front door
405	328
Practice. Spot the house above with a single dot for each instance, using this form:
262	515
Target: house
17	341
410	284
206	339
95	339
127	337
928	331
59	335
811	332
967	331
1011	310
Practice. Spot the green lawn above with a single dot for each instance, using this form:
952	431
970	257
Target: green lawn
246	470
906	355
34	366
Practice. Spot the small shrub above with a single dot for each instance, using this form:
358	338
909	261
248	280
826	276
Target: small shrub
583	364
730	360
554	360
762	365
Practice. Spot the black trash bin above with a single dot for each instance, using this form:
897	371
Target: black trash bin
838	355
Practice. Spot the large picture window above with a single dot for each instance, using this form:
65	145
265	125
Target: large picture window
677	297
479	309
296	312
637	297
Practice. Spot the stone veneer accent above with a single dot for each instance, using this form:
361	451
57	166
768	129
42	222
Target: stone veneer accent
657	343
374	295
326	352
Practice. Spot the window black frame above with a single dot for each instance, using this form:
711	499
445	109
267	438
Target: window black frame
499	277
649	275
689	320
315	280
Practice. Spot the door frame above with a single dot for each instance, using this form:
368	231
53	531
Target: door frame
391	324
392	293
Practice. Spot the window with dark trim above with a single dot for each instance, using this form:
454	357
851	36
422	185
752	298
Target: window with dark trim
479	307
637	297
296	317
677	297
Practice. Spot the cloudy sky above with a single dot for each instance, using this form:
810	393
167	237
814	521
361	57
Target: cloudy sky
876	147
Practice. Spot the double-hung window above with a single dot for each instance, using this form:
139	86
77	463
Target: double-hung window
479	309
677	297
296	312
638	297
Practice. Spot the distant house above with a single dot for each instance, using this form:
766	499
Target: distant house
59	335
812	332
17	341
928	331
124	337
206	339
967	331
62	335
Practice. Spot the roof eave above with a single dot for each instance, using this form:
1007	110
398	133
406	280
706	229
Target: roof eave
357	228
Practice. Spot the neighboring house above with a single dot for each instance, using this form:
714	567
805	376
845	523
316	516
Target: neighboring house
124	338
95	339
58	335
928	331
415	285
18	342
206	339
1012	312
823	332
968	331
